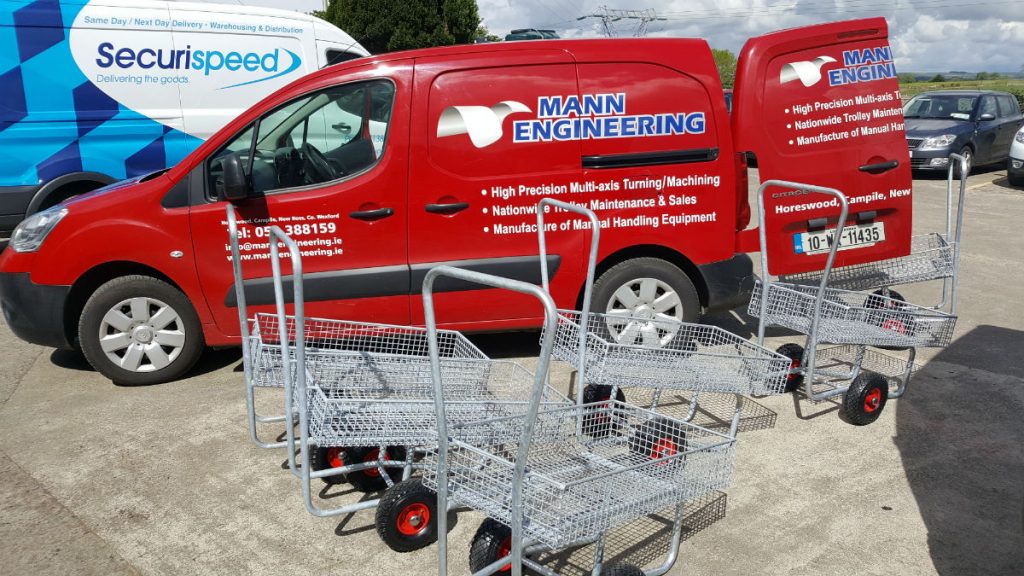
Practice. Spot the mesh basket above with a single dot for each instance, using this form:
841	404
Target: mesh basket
853	317
627	463
631	351
930	258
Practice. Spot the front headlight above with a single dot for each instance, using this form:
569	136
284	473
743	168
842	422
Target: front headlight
29	235
1019	137
937	142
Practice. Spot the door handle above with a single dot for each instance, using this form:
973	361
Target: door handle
446	209
371	215
879	167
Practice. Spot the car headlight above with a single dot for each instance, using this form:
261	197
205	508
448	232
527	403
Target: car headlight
936	142
29	235
1019	137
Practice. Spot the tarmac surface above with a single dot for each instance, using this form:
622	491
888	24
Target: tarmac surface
100	479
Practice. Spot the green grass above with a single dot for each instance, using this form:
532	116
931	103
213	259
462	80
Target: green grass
1014	86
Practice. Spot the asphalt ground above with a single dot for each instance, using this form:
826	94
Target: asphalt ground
100	479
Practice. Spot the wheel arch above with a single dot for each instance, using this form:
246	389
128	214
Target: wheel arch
91	279
652	251
76	182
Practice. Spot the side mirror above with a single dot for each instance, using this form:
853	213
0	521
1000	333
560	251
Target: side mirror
986	117
235	184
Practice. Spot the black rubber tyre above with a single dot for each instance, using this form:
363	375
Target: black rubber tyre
406	518
636	269
866	398
902	323
623	570
371	479
658	438
968	155
109	298
324	458
795	353
597	423
492	541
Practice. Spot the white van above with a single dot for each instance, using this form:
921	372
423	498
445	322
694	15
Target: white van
95	91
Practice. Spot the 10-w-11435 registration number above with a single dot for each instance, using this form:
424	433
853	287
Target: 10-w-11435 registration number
852	237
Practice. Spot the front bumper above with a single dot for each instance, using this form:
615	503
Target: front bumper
930	159
729	283
35	312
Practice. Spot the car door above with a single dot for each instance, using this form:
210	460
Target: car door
1010	121
822	105
328	167
474	184
986	135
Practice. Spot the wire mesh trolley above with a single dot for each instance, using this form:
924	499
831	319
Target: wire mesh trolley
650	349
358	385
546	484
844	317
933	256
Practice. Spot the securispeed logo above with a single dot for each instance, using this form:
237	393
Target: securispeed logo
561	118
273	64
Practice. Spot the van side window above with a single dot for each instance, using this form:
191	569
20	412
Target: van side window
339	56
315	139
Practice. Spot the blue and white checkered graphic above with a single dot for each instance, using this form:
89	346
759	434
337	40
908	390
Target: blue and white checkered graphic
53	120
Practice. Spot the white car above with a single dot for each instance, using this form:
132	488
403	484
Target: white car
1015	165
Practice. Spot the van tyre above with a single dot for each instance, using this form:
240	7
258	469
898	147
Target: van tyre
139	330
646	289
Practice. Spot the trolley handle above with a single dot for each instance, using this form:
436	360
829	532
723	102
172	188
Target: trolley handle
540	377
588	289
844	208
236	268
274	236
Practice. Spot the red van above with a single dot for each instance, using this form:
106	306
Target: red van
385	166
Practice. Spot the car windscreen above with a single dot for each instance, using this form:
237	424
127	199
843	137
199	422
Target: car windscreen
945	106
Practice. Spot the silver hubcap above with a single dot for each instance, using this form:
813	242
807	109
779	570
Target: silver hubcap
142	334
644	311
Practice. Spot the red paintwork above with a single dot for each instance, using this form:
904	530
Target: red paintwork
417	167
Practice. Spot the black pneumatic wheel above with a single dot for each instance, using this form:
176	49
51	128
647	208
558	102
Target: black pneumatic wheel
598	421
139	330
492	541
902	324
646	289
865	399
658	438
371	479
406	517
623	570
795	353
326	458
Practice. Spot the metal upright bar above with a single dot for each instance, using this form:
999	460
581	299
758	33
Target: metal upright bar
811	343
243	321
588	288
543	363
274	235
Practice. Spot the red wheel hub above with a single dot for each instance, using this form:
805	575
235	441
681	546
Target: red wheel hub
504	549
664	448
896	326
794	363
335	457
873	400
413	519
372	456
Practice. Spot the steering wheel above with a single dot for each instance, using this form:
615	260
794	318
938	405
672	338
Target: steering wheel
315	164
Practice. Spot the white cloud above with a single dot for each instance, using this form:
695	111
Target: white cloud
926	35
